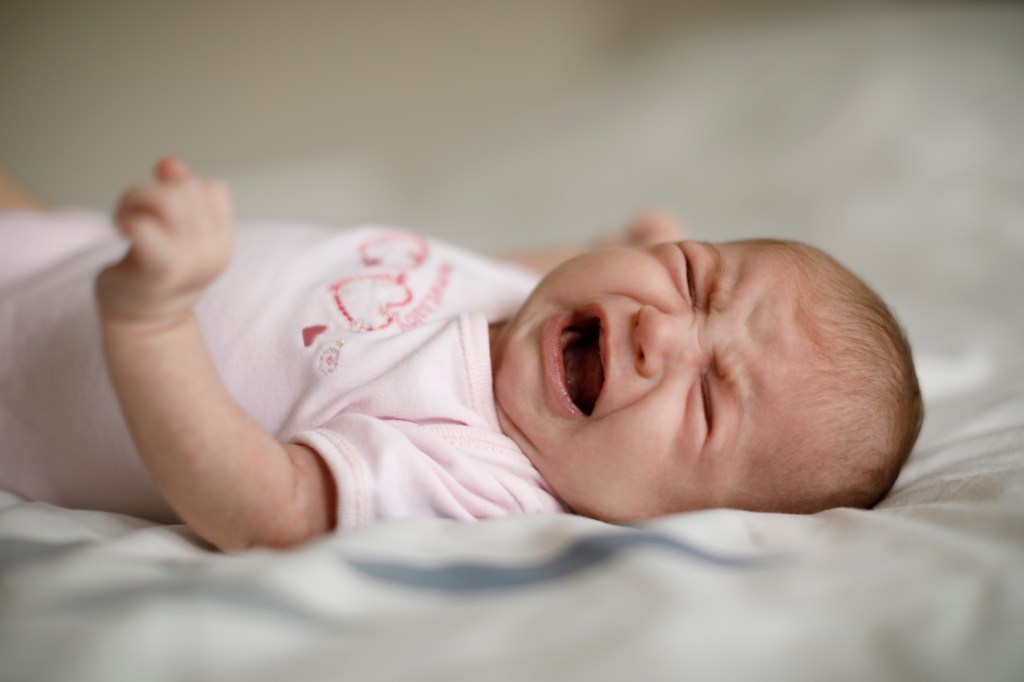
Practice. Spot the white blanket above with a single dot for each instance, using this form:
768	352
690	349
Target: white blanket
930	585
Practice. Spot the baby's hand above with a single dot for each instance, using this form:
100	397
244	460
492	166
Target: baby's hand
645	229
180	232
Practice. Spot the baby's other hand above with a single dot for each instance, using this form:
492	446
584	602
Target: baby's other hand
646	228
180	228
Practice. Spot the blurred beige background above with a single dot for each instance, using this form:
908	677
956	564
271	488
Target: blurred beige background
887	132
93	89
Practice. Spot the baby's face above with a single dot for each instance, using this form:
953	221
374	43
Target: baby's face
648	381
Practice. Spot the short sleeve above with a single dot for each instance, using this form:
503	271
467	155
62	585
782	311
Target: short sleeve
396	469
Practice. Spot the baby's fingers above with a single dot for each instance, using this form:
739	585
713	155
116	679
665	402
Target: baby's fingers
152	253
181	207
171	169
140	206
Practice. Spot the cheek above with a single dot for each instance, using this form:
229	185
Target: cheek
550	291
656	421
629	443
512	392
590	274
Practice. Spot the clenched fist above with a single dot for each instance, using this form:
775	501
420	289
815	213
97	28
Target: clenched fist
180	233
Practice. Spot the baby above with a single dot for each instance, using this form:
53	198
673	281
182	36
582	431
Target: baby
326	379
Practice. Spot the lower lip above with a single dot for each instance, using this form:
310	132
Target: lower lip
554	367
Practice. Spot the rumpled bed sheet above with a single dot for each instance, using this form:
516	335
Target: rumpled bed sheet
929	585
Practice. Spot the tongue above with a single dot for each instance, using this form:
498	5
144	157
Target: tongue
584	373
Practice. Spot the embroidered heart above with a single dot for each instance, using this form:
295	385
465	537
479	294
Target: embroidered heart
310	333
371	302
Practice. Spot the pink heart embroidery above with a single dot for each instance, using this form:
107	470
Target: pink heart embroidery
309	334
371	302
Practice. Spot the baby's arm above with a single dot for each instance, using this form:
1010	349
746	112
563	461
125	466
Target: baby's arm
645	229
227	478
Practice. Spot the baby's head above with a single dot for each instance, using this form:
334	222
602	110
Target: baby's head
757	375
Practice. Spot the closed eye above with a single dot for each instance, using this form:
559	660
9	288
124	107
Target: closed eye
691	286
705	394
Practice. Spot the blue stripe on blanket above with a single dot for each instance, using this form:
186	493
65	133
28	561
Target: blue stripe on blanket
580	555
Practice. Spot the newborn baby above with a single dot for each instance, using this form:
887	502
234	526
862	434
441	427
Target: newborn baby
327	380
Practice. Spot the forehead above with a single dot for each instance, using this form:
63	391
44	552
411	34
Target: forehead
761	296
765	349
749	266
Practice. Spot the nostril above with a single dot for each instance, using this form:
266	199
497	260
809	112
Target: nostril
638	341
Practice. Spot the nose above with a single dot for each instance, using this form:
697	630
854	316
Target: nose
662	340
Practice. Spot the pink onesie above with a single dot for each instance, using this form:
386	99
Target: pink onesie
371	346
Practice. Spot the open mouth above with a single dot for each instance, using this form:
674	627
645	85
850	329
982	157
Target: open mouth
581	358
